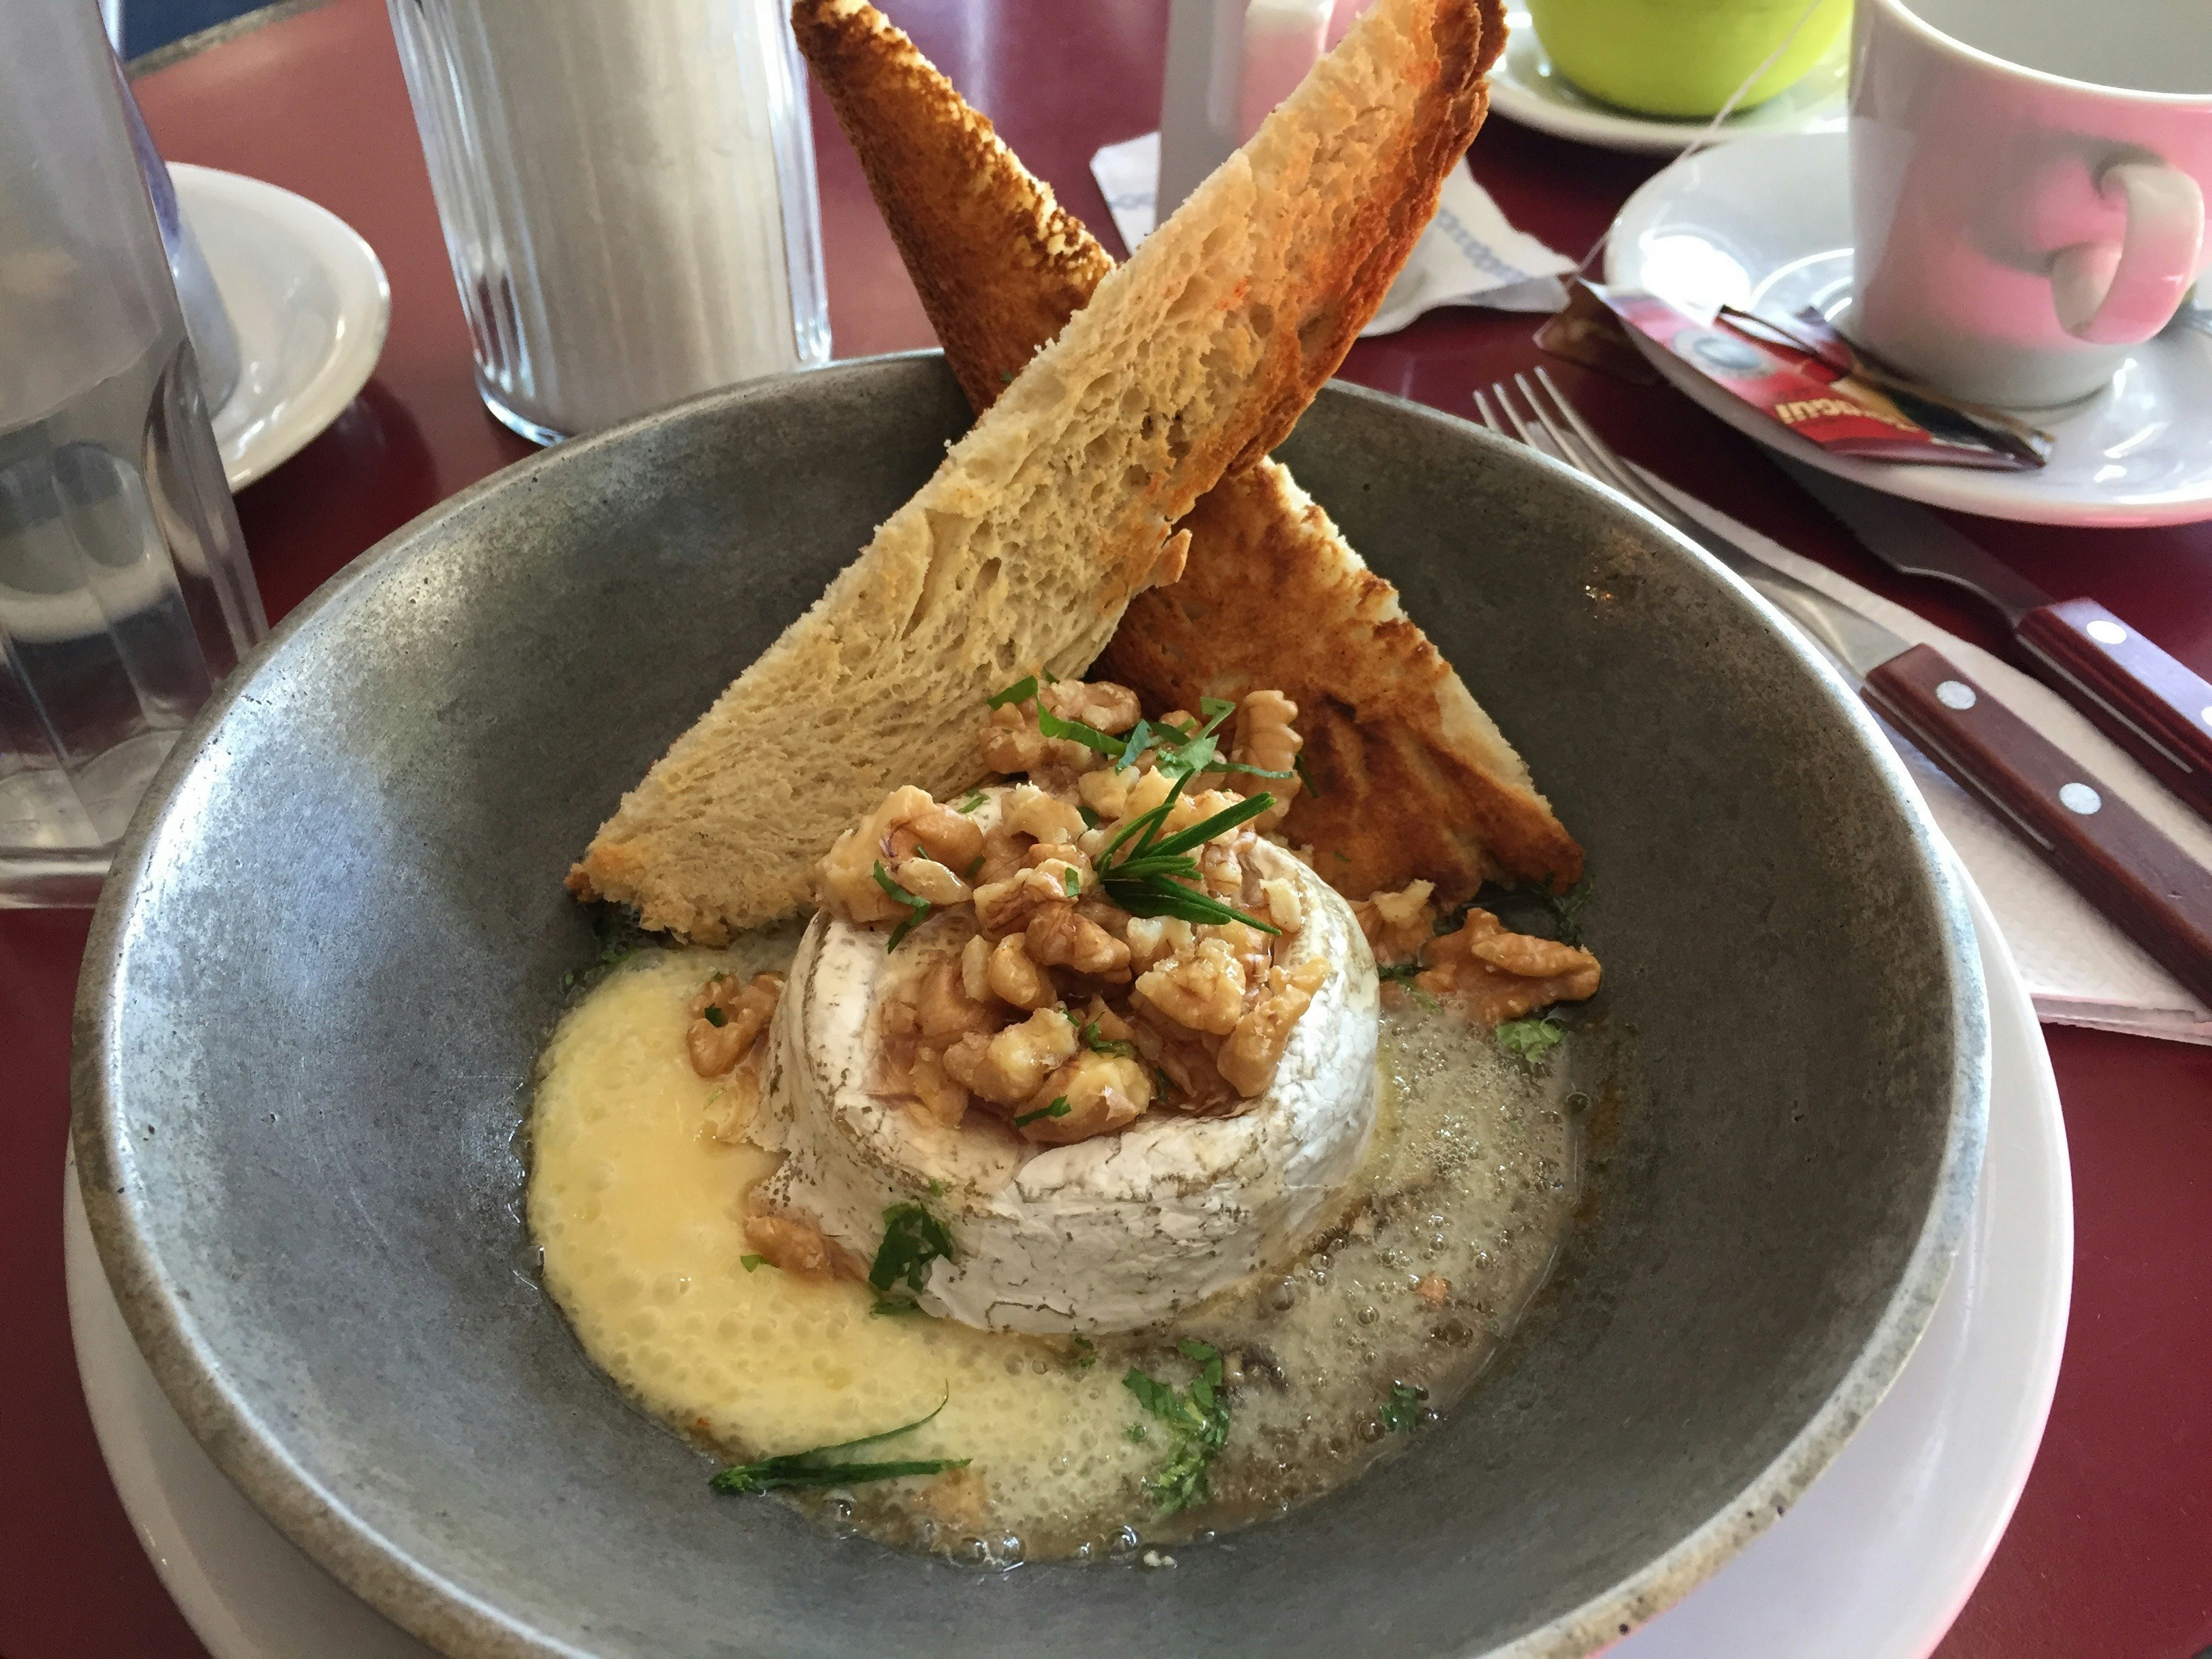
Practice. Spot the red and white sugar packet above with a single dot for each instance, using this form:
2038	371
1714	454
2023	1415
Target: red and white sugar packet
1799	373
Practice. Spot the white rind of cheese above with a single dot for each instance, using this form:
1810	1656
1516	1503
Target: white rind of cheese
1115	1233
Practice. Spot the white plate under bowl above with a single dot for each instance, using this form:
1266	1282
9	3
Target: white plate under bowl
307	300
1527	86
1767	225
1874	1562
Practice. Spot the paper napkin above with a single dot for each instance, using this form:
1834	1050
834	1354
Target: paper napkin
2081	969
1467	255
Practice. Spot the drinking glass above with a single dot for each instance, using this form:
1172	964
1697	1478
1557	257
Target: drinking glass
627	190
124	592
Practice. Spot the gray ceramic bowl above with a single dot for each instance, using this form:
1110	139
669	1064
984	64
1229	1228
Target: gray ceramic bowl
329	954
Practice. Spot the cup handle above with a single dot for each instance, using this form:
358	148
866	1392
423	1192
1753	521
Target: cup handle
2118	295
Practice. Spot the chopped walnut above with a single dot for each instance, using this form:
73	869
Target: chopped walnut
1102	1092
1433	1289
1184	1060
728	1017
730	1108
801	1248
1007	1068
1203	991
1005	907
1014	978
1047	852
1060	936
1106	792
1109	707
1499	976
942	833
945	1011
1266	738
1285	907
1249	1059
938	1095
1398	924
1004	851
1010	742
1032	812
926	879
975	969
845	880
1146	938
1111	1026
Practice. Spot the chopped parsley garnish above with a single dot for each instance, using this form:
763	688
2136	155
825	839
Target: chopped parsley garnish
1089	818
1531	1039
918	907
1105	1045
1060	1108
1135	1433
1020	691
819	1467
1197	1422
1071	881
1402	1411
1401	971
751	1264
1076	732
975	799
620	938
913	1238
1305	777
1087	1353
973	864
715	1016
936	1188
1567	911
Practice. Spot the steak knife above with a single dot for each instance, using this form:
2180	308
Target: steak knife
2155	707
2117	859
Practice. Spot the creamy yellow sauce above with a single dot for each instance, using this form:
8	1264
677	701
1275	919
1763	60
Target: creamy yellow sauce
637	1209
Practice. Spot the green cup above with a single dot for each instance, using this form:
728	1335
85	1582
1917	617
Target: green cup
1683	58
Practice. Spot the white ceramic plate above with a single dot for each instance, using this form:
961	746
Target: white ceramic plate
1874	1562
1526	87
309	304
1767	225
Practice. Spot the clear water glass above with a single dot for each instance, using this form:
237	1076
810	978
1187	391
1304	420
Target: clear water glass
627	191
125	595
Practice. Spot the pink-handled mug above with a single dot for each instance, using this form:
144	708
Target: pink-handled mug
2028	180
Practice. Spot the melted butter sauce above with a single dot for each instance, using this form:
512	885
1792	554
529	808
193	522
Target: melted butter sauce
1470	1179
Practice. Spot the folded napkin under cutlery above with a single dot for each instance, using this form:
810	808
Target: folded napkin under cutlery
2081	969
1469	255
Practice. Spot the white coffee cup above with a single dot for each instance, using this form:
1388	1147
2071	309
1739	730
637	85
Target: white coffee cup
2028	180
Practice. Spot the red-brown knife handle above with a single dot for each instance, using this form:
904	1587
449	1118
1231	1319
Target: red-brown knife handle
2117	859
2147	702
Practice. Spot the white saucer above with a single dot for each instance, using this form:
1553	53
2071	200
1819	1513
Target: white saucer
1526	88
1767	225
1873	1563
307	300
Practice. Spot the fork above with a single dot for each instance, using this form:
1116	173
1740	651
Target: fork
2121	862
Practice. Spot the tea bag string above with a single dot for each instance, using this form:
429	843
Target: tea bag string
1708	135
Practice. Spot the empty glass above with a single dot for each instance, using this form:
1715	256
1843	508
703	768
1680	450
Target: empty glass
124	592
627	190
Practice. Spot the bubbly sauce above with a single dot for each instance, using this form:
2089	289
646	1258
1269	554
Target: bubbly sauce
1443	1234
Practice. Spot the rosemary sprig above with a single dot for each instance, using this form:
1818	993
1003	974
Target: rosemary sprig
1145	881
811	1468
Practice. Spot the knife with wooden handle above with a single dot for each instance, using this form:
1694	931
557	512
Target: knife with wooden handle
2155	708
2109	852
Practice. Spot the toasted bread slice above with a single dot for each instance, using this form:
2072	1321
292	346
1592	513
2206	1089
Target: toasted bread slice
1417	782
1060	504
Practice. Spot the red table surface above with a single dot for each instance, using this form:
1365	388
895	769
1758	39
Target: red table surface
2111	1550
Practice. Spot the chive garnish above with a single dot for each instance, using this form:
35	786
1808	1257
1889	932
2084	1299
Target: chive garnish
1060	1108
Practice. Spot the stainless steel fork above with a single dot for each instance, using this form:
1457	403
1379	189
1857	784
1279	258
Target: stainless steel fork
2116	858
